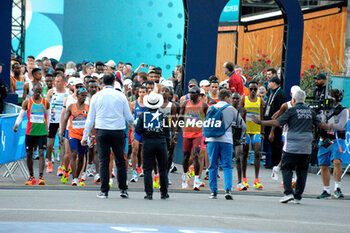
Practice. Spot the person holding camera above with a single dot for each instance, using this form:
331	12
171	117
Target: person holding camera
332	144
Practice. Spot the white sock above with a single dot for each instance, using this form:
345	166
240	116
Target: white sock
336	185
327	189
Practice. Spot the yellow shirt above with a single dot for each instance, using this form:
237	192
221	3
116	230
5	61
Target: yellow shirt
253	108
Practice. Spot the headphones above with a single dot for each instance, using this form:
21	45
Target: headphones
337	94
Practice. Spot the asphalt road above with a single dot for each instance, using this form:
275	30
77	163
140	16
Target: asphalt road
23	210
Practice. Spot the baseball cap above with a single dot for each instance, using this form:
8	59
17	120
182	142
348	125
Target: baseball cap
126	82
195	89
204	83
275	80
202	91
71	81
167	83
321	76
78	81
69	72
111	64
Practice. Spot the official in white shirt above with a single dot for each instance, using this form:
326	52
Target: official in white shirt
109	110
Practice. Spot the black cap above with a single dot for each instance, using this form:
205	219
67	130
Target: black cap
321	76
195	89
276	80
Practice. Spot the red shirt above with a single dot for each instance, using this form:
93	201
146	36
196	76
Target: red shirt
235	83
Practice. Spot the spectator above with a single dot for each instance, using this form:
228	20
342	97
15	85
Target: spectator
178	82
271	73
235	80
142	77
320	90
71	65
120	66
274	102
127	70
221	148
113	111
110	66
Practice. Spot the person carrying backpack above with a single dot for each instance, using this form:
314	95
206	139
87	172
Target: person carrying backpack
220	142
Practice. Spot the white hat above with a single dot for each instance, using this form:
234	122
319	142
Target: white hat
294	89
204	83
111	64
70	72
127	81
153	100
71	81
167	83
202	91
117	86
99	76
225	82
78	81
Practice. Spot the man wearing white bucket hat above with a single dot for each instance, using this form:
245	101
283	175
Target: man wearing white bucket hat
155	129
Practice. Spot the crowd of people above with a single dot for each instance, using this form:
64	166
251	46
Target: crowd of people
104	112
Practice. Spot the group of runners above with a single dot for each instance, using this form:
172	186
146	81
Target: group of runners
63	107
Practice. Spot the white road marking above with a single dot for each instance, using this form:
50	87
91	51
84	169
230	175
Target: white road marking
179	215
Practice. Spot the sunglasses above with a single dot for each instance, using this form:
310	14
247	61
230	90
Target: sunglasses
253	89
39	92
79	86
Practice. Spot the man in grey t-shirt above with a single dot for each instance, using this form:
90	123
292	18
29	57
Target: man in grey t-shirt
298	143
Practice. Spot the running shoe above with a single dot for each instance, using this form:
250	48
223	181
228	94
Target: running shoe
130	163
241	187
59	171
111	182
64	178
190	172
97	178
83	177
338	193
81	183
31	181
41	181
124	194
257	184
202	184
93	168
164	196
228	195
169	181
63	167
172	168
113	173
206	175
139	170
324	195
49	167
70	169
213	195
75	182
245	182
156	181
294	181
196	185
287	198
275	171
297	201
134	177
89	171
185	181
102	195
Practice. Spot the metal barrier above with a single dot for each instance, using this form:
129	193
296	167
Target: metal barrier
12	146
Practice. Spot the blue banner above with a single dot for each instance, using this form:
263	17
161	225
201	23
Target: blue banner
346	155
12	146
230	13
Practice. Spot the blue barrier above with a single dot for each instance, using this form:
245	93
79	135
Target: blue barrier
346	156
12	146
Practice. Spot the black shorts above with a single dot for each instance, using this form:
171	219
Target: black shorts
53	128
33	141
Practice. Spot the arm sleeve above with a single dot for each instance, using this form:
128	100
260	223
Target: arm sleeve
342	120
139	126
20	117
90	119
127	113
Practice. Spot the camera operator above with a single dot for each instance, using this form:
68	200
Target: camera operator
331	144
320	91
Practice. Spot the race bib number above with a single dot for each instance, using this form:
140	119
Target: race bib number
39	119
19	93
78	123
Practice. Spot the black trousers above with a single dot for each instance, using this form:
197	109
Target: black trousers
299	162
155	148
276	146
115	139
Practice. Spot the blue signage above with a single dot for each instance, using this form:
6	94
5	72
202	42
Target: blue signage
231	12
